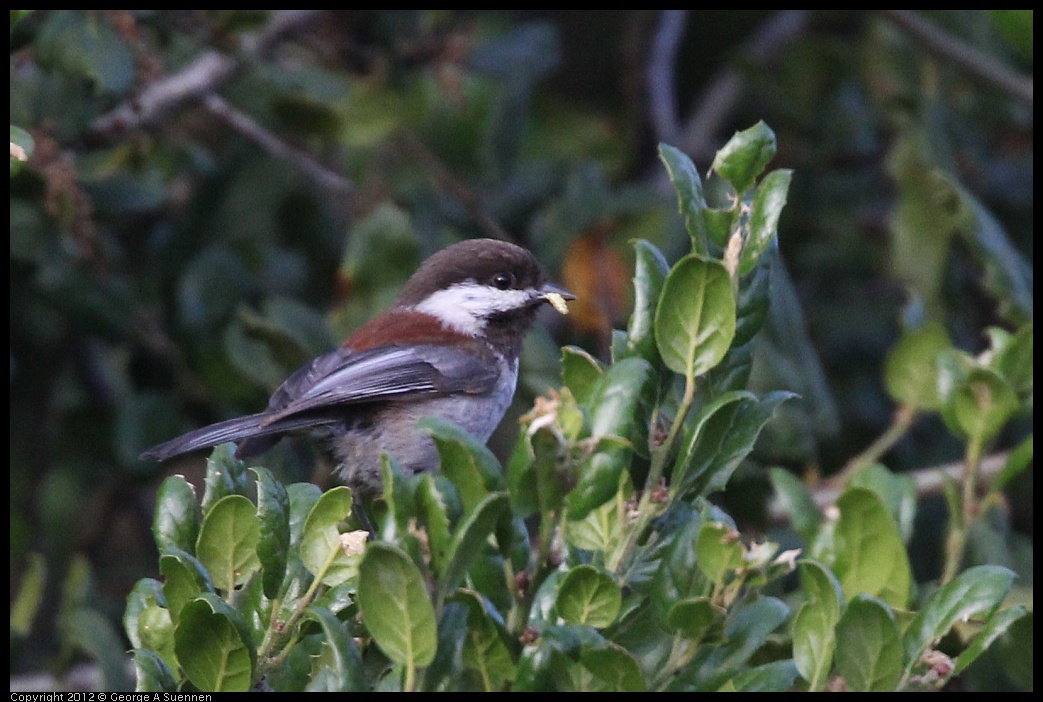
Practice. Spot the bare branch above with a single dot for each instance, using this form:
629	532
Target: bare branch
201	77
661	88
929	481
302	160
947	47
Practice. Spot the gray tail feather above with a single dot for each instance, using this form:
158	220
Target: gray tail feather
236	429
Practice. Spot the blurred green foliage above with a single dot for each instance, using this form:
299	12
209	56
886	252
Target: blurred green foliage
211	197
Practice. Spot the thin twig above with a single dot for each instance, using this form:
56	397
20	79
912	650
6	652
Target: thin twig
302	160
204	75
929	481
947	47
662	92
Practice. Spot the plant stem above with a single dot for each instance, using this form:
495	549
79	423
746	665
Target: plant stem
646	509
960	523
903	419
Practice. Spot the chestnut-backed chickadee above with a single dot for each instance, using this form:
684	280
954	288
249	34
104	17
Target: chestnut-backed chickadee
448	348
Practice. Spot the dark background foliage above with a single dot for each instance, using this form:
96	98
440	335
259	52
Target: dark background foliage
215	196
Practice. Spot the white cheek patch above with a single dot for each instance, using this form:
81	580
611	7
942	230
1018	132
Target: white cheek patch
465	307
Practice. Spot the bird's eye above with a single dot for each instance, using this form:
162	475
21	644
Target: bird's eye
503	281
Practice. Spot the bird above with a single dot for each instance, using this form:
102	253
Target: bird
447	348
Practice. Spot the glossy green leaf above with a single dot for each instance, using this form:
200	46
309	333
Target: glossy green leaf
588	596
896	491
322	544
814	636
718	551
695	318
602	529
273	513
613	413
214	646
614	667
678	576
1019	459
580	372
690	199
432	511
156	630
470	464
695	618
768	201
484	649
303	497
869	646
650	270
998	625
471	534
176	521
184	579
870	555
225	475
228	538
977	591
146	592
747	629
342	669
796	499
395	605
777	676
910	374
721	436
745	155
151	673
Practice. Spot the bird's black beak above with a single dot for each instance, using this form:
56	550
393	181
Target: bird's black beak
556	296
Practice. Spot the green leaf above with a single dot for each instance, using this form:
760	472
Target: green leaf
395	605
342	671
650	270
982	404
184	579
695	318
602	529
214	646
151	672
1012	358
470	536
227	545
997	626
273	514
224	476
976	591
1019	459
896	491
910	374
322	545
30	596
690	200
484	647
614	666
870	555
470	464
777	676
749	625
768	201
588	596
796	499
156	630
718	551
696	617
613	412
814	636
176	522
745	155
580	371
721	436
432	510
869	646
